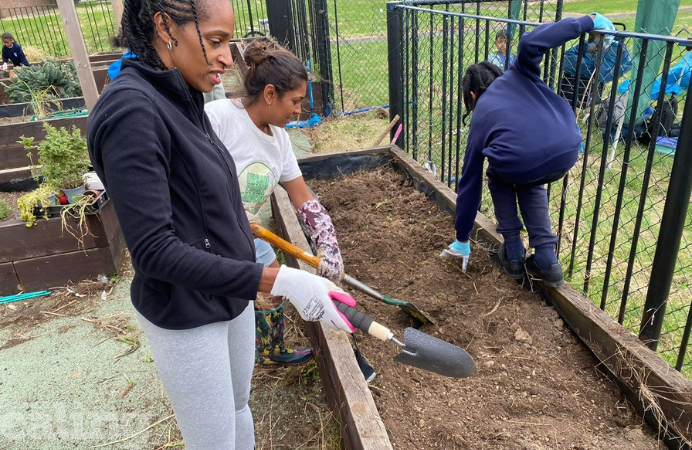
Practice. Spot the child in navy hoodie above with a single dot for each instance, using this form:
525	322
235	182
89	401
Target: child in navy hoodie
529	136
11	51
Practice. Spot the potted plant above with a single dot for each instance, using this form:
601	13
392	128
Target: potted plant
63	159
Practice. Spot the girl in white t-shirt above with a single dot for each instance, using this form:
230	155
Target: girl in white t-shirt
252	129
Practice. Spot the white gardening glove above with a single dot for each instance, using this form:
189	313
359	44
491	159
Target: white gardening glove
310	295
4	66
253	218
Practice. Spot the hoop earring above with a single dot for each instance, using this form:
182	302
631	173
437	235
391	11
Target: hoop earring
270	106
169	46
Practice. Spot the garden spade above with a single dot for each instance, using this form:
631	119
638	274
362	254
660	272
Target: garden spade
418	349
297	252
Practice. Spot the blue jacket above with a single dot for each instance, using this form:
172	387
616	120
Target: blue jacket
175	190
14	54
525	129
589	61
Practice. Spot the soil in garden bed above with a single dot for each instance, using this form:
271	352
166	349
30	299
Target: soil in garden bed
538	387
11	199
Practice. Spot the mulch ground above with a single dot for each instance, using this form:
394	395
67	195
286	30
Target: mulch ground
538	387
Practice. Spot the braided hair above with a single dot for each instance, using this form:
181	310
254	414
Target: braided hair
138	28
477	79
270	63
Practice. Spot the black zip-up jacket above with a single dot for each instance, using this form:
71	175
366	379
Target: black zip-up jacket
176	195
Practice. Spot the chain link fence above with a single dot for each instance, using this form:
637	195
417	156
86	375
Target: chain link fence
40	31
608	210
358	37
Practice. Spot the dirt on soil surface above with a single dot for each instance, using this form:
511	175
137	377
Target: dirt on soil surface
538	387
11	199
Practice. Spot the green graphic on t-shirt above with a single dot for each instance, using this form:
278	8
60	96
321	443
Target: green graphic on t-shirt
257	181
255	188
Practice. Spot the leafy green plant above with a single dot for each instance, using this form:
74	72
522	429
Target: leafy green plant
27	203
58	79
63	156
5	209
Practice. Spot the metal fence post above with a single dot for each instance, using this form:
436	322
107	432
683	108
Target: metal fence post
670	234
280	17
395	39
323	51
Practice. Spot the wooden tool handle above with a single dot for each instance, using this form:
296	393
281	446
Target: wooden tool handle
385	131
284	245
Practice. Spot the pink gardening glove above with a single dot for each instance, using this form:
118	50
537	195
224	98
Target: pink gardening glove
321	228
342	297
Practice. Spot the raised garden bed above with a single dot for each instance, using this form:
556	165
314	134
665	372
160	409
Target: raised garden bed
538	386
15	170
99	68
47	255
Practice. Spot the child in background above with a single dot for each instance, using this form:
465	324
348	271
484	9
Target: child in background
500	57
11	51
252	129
529	136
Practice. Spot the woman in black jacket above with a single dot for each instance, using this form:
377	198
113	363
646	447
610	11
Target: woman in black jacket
176	195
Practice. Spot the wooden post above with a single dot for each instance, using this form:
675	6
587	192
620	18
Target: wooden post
80	56
117	13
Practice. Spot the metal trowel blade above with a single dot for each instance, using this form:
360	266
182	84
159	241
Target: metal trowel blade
435	355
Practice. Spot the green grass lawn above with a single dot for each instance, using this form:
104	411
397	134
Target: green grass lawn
41	28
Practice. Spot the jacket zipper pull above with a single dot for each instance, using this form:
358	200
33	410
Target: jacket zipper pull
207	244
211	140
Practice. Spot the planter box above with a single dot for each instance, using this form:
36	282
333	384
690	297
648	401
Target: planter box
100	71
15	171
21	109
620	352
46	256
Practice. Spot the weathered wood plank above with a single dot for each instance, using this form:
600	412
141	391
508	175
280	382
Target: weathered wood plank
100	78
10	133
9	283
80	55
347	391
237	55
118	249
16	179
19	242
57	270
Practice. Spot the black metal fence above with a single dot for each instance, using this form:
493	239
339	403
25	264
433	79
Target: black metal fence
622	213
40	31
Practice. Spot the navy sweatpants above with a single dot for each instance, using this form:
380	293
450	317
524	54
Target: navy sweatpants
533	203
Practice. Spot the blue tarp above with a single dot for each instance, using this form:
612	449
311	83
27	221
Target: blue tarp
678	79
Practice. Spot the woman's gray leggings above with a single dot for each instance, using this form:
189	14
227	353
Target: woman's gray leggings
206	372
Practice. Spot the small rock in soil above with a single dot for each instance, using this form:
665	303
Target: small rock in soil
522	336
